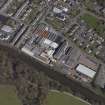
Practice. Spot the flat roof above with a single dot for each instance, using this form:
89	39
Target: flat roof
27	51
7	28
88	62
50	43
85	70
57	10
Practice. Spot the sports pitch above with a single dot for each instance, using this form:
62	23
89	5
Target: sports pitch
8	95
58	98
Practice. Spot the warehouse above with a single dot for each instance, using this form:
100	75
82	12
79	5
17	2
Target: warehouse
85	71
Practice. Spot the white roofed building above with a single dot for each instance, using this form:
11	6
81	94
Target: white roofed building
86	71
57	10
7	29
50	43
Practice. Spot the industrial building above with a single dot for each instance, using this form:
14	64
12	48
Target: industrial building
85	71
45	43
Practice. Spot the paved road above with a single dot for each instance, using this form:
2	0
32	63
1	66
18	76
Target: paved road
73	21
21	40
83	11
93	14
39	18
19	34
11	17
19	11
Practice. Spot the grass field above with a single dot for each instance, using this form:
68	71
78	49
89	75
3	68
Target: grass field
8	96
94	23
57	98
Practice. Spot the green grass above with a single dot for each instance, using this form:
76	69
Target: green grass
58	98
90	20
8	96
94	23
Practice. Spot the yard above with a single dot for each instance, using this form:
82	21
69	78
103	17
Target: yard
58	98
8	95
56	23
